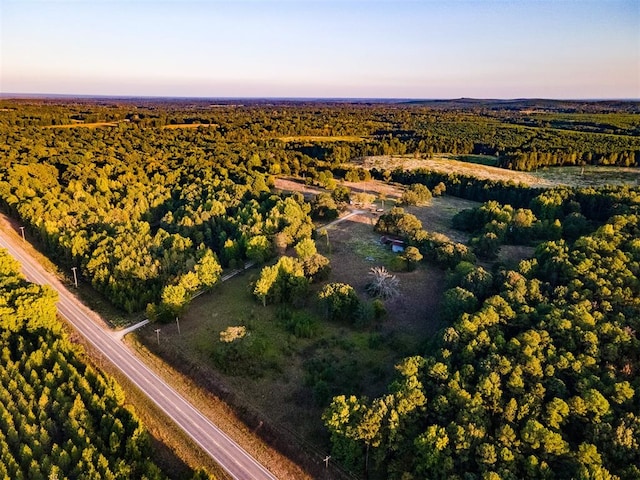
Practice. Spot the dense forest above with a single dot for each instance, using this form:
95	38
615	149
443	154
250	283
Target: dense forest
150	213
59	417
535	374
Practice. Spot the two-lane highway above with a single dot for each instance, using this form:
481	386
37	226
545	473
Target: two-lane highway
230	456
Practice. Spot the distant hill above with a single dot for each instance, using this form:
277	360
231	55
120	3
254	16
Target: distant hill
532	105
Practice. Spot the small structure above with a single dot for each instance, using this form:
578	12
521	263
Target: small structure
397	245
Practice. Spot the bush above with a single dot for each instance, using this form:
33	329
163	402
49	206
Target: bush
300	324
416	194
340	300
412	255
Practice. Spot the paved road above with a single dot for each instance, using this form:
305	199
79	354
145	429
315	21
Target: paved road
211	439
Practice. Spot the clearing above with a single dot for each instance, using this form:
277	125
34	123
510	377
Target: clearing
87	125
321	138
175	126
479	166
447	164
590	176
280	383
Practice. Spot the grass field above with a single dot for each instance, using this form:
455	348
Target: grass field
479	166
320	138
85	125
488	160
436	217
189	125
589	176
448	164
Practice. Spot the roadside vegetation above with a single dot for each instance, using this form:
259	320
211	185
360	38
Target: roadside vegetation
59	417
415	308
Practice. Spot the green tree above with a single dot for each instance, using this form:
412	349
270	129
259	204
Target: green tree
283	282
208	270
259	249
340	300
413	256
416	194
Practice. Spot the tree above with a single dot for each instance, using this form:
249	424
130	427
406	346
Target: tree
457	301
362	198
259	249
316	266
413	256
341	194
397	222
266	282
174	299
383	284
306	248
324	207
208	270
486	245
439	189
340	300
283	282
416	194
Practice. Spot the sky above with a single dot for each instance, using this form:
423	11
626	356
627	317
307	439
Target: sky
569	49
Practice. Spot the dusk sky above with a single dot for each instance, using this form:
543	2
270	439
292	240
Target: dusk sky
357	48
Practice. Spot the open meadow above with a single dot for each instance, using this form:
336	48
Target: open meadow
481	166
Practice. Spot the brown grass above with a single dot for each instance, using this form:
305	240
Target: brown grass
321	138
437	215
189	125
294	185
85	125
446	164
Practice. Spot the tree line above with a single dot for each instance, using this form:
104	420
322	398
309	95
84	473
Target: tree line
518	140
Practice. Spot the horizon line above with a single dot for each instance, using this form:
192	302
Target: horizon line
28	95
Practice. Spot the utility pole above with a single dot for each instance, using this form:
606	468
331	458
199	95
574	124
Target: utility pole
326	461
75	276
22	231
178	323
158	335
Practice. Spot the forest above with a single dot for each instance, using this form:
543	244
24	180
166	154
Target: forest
537	374
59	417
534	374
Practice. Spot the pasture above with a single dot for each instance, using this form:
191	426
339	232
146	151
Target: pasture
480	166
444	163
